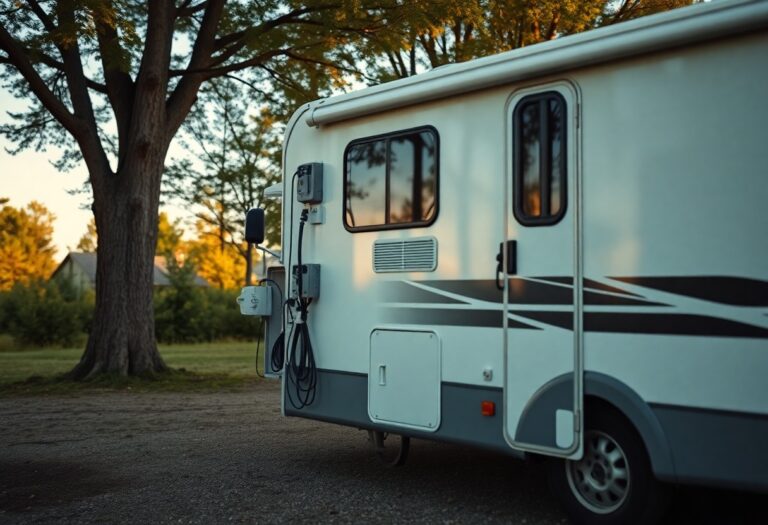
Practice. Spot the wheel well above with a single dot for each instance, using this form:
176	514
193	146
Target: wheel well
603	392
594	404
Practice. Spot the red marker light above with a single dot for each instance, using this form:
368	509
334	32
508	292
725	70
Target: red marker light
488	408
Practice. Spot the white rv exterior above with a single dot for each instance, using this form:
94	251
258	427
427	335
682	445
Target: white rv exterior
645	295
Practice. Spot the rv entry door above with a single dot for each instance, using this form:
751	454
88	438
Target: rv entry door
540	273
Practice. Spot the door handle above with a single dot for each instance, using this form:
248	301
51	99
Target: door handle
382	375
511	247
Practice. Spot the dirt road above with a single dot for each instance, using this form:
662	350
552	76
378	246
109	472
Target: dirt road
231	457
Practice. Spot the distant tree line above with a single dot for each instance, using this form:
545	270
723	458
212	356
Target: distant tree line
27	250
38	311
54	313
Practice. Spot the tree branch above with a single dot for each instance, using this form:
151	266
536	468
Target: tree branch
239	39
151	81
90	145
208	72
120	88
59	66
184	95
185	9
296	56
268	96
20	61
282	81
42	16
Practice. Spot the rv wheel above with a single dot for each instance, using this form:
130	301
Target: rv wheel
392	452
613	482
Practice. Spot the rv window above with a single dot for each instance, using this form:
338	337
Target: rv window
391	181
539	165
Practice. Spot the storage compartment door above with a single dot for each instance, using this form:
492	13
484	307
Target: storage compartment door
404	379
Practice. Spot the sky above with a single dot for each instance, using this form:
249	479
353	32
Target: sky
30	176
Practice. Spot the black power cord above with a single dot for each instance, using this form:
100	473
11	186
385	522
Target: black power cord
258	346
301	368
277	355
277	359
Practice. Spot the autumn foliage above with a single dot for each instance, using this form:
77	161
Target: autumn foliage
26	248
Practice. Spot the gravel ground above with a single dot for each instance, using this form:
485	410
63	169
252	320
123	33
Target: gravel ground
231	457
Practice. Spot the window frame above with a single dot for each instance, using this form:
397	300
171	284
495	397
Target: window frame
387	137
545	161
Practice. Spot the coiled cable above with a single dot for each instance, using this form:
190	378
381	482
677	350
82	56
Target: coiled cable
301	369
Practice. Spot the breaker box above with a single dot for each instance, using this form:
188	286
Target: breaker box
309	186
310	276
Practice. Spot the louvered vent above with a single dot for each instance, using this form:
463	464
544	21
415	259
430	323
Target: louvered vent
409	255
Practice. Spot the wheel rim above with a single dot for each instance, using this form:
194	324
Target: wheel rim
600	480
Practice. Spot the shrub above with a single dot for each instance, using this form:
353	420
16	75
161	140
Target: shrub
57	313
45	313
185	313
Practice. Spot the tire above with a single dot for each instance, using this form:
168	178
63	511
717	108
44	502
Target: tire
613	483
390	453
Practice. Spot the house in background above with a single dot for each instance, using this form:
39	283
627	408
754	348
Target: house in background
80	269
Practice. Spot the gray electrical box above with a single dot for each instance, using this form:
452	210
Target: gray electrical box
310	276
309	184
255	300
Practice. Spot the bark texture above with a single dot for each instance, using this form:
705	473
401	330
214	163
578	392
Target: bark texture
122	338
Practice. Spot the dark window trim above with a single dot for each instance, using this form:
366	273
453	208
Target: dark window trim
401	225
546	156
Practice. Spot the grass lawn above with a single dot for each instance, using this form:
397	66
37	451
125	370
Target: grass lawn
198	366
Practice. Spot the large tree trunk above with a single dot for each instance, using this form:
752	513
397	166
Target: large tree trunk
122	338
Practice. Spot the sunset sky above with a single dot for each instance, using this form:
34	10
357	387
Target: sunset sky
30	176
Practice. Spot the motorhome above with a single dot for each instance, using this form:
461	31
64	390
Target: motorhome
556	252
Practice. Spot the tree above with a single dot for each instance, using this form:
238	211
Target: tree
236	153
169	234
89	240
26	249
217	260
137	68
442	32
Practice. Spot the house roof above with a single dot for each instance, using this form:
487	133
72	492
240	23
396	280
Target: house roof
87	263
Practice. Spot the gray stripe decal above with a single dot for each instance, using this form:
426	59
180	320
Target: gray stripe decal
443	317
669	324
589	284
736	291
611	322
526	291
402	292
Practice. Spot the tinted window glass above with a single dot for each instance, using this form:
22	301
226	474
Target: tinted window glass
539	164
391	181
366	170
530	159
557	164
412	179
